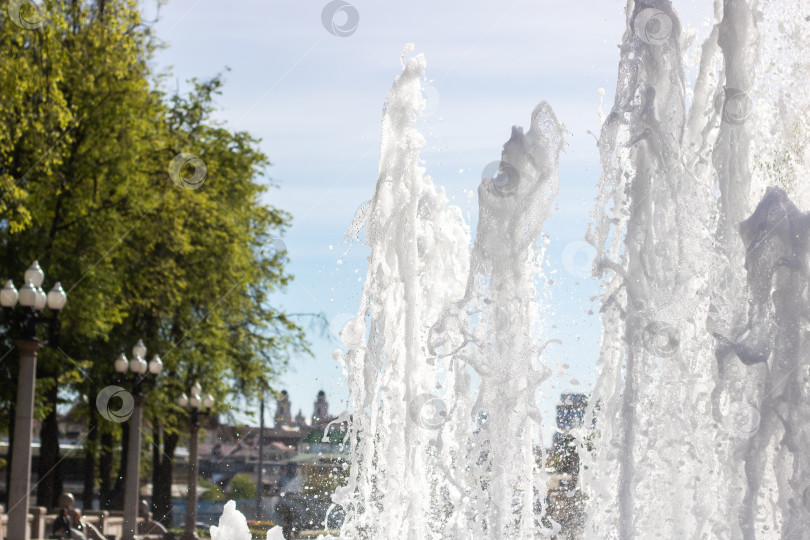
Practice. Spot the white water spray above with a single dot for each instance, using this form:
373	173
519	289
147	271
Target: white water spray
442	358
684	401
702	406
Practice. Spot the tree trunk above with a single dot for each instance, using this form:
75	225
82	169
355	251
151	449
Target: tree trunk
120	481
162	481
156	431
90	455
105	471
49	472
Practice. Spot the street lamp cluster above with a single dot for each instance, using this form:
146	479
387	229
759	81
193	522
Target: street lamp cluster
33	300
195	402
32	295
138	366
140	370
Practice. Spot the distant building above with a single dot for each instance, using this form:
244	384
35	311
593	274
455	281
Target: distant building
283	417
287	449
296	453
320	414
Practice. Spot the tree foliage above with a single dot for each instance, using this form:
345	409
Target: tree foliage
212	491
242	487
87	133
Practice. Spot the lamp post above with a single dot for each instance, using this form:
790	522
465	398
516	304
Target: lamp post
195	402
33	300
140	371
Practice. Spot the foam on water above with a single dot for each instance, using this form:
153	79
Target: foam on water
233	526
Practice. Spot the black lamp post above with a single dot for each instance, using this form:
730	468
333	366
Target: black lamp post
195	402
33	301
141	372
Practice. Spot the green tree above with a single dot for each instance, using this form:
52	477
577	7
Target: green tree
85	148
77	101
242	487
212	491
203	269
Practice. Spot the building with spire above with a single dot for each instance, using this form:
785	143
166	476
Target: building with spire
283	417
293	448
320	413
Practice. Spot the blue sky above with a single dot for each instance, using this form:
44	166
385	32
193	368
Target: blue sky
316	100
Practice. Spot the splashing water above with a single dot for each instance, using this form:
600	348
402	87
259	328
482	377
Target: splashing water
701	411
234	526
439	450
702	393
